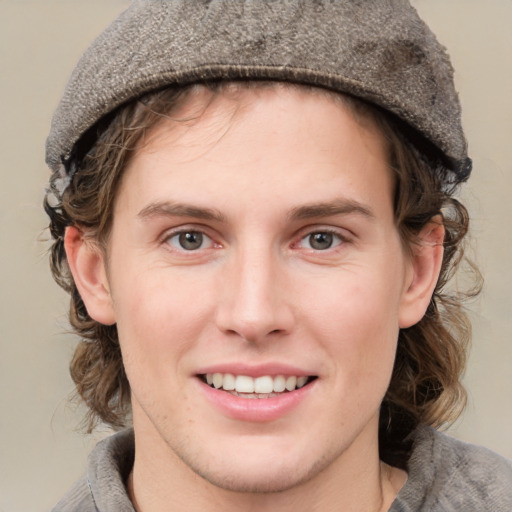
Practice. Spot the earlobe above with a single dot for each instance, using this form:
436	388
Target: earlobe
87	265
426	262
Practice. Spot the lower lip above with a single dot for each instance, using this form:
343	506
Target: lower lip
257	410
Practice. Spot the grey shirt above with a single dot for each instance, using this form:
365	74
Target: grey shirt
444	475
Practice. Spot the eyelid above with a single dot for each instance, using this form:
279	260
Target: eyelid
206	241
343	234
188	228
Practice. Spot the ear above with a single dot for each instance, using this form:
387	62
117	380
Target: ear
425	266
87	265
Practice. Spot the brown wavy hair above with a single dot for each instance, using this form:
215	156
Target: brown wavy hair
431	355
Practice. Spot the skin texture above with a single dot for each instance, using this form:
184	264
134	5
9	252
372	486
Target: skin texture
247	174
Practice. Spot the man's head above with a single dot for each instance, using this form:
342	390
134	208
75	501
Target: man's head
266	230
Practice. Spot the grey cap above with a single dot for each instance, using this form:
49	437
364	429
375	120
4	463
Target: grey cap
377	50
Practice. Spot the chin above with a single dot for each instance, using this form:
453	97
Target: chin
254	480
257	471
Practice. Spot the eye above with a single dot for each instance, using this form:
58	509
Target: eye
321	240
190	240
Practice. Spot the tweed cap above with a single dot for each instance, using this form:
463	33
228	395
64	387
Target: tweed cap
377	50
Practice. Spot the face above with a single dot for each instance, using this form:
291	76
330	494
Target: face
255	249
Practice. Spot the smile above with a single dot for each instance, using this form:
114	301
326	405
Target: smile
265	386
279	393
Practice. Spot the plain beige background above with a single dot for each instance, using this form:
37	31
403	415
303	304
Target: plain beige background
41	453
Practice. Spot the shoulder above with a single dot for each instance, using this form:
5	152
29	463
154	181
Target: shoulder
79	497
474	476
103	486
447	474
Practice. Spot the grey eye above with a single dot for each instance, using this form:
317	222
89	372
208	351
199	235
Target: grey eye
191	240
321	241
187	240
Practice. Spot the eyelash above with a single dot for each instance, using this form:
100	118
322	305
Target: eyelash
338	239
336	235
181	232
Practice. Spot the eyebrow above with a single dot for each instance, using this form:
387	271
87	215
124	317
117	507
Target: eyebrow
170	209
336	207
309	211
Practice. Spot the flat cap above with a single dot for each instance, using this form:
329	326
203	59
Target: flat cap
377	50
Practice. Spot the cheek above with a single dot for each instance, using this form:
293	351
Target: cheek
356	319
158	321
355	301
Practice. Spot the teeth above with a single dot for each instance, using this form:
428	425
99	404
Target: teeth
279	384
264	385
301	381
244	384
229	382
291	382
217	380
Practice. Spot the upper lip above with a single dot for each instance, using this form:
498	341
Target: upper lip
272	369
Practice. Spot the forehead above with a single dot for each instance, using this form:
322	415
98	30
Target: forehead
295	144
206	115
198	102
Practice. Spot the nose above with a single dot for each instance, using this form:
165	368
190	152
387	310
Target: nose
254	303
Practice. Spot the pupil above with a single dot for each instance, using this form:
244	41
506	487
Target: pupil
191	240
320	241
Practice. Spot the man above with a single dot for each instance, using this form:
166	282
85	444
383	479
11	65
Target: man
255	204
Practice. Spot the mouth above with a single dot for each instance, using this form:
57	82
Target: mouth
265	386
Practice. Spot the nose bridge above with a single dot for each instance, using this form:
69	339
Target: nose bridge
254	302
